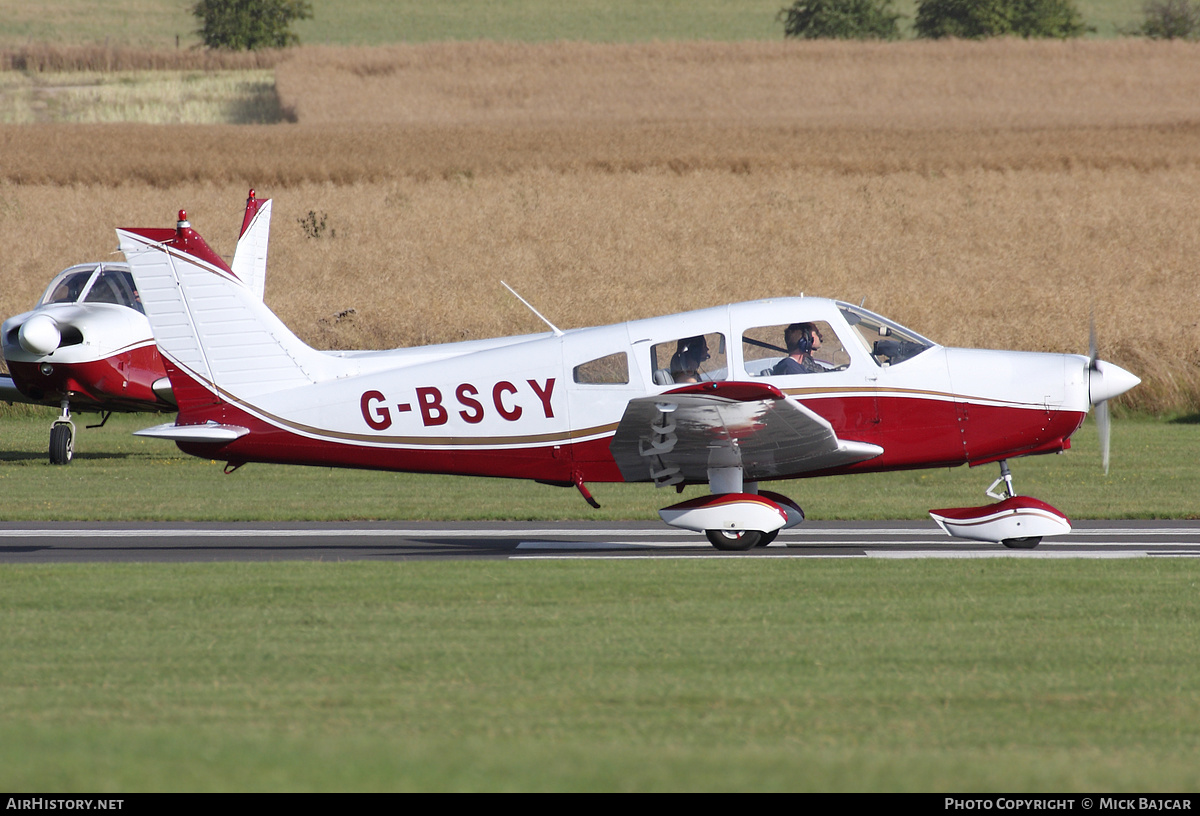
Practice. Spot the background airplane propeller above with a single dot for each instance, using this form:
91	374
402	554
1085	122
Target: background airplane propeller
1105	381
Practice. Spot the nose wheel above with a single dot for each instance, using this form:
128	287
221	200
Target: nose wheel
1025	542
62	443
62	438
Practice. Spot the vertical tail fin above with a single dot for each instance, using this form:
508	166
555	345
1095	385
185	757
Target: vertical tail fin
250	257
220	341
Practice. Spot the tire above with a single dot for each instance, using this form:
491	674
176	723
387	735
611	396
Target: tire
62	444
734	540
1022	543
767	538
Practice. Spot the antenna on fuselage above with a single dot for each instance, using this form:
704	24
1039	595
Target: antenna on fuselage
557	331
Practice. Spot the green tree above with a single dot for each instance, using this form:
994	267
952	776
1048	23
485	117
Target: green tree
979	19
247	25
1170	20
840	20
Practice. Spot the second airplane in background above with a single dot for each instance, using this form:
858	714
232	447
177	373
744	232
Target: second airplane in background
87	344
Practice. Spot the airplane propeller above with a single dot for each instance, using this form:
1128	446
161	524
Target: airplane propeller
1105	381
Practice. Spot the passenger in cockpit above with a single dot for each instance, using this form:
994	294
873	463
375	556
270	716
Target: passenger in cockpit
801	339
690	352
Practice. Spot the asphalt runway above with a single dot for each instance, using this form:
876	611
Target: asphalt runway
180	542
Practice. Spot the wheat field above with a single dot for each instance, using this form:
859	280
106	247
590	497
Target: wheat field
987	194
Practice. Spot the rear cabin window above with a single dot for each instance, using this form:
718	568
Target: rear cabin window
610	370
817	350
700	358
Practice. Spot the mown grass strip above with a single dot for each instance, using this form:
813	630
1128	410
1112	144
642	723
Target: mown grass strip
730	674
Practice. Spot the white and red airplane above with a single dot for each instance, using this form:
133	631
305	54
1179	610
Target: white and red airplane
685	399
87	344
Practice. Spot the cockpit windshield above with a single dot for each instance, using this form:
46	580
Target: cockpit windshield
114	286
889	343
69	285
94	284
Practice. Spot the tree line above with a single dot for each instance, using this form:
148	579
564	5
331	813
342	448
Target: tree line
975	19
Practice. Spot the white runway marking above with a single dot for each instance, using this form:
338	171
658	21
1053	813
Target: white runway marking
30	541
235	532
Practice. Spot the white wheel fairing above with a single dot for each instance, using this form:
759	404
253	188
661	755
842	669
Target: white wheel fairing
731	512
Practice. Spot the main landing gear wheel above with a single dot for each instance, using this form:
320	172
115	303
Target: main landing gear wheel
736	540
767	538
62	444
1022	543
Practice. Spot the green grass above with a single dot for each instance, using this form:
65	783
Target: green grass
157	23
671	675
116	476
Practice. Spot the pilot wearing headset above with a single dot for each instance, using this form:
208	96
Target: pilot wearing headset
801	339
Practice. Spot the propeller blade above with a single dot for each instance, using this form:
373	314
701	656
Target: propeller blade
1104	427
1093	346
1105	381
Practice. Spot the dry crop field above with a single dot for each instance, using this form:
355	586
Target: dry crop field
993	193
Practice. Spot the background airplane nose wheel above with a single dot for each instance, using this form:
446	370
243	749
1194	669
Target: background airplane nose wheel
734	540
62	444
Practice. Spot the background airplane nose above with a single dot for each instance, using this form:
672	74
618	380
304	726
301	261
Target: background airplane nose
1108	380
39	335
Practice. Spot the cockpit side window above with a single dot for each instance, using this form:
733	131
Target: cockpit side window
115	286
69	287
889	343
610	370
700	358
814	349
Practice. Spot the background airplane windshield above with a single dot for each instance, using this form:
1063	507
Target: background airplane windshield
68	287
115	286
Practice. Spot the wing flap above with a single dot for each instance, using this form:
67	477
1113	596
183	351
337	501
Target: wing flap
680	434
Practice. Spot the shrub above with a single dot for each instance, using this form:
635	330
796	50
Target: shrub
979	19
247	25
1170	20
840	20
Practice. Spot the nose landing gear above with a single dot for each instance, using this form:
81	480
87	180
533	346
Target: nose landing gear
1017	522
62	437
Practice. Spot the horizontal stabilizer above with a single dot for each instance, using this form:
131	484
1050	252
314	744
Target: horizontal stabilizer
208	432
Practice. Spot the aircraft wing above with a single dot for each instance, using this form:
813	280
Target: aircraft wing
680	434
9	392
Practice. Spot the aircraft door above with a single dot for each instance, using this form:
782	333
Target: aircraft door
810	362
600	383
